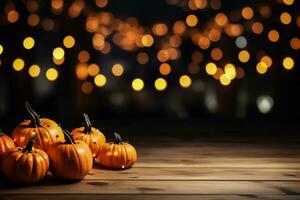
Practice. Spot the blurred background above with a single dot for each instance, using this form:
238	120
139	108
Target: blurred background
151	60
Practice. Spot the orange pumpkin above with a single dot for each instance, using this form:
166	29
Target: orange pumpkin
90	135
117	155
6	143
25	165
47	131
71	160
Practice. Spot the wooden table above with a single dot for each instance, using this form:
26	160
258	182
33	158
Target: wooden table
186	168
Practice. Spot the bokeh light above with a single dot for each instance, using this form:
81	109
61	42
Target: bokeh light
117	69
58	53
34	71
52	74
137	84
100	80
18	64
185	81
69	41
28	43
160	84
288	63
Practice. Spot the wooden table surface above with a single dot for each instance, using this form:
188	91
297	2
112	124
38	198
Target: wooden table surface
177	168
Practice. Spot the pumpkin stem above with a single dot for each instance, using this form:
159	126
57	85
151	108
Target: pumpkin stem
87	124
35	121
69	138
118	139
1	132
28	147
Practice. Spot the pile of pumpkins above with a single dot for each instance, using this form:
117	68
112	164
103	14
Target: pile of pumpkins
40	145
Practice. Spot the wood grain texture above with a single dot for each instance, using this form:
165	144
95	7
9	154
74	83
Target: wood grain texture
184	170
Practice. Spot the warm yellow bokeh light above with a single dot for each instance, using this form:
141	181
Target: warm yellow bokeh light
230	71
247	13
100	80
273	36
185	81
165	69
28	43
211	68
267	60
117	69
69	41
51	74
191	20
244	56
225	80
261	67
137	84
160	84
58	53
285	18
18	64
288	2
288	63
147	40
1	49
34	71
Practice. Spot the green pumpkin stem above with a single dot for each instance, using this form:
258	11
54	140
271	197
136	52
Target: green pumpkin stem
87	124
29	145
68	139
35	119
118	139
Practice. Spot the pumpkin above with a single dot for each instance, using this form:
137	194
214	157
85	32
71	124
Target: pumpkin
25	165
70	160
118	154
90	135
6	143
47	131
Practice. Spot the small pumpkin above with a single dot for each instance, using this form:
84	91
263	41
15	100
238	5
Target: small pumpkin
25	165
6	143
90	135
118	154
47	131
70	160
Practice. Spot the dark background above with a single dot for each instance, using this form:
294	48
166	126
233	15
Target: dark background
116	105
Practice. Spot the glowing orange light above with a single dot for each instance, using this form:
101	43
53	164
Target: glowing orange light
12	16
147	40
191	20
247	13
285	18
34	71
165	69
273	36
83	56
117	69
244	56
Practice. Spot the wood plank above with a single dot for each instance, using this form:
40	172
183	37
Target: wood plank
148	197
158	187
196	173
219	162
